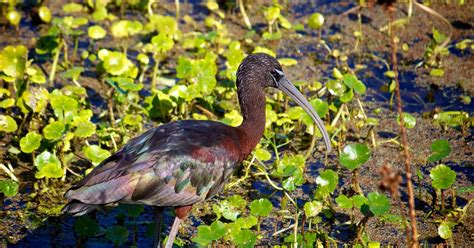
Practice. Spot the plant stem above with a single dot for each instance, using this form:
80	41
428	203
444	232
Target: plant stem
155	72
244	14
176	3
313	143
406	153
55	64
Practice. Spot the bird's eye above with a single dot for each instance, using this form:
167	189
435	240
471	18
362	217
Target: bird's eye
277	75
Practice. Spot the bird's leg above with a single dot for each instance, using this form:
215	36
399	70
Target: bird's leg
181	213
158	222
173	232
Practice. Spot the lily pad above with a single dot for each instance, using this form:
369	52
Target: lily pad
354	155
9	187
408	120
86	226
7	124
95	154
31	142
439	150
316	21
442	177
261	207
117	234
54	130
13	61
444	231
312	208
378	203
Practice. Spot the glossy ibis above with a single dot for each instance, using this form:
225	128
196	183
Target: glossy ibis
181	163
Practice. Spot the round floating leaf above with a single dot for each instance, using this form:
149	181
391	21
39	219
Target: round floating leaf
14	17
50	170
313	208
30	142
263	154
352	82
359	200
7	124
244	238
116	63
86	227
46	158
207	234
54	130
327	180
261	207
9	187
442	177
96	32
354	155
378	203
44	14
316	21
439	150
84	128
162	43
13	61
344	202
408	120
132	120
95	154
64	107
287	61
336	87
117	234
444	230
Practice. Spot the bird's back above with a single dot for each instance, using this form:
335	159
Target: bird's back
175	164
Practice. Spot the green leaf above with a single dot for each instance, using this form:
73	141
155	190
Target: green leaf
344	202
44	13
116	63
48	166
328	180
96	32
336	87
117	234
244	238
436	72
247	222
86	227
439	150
353	83
95	154
9	102
442	177
225	209
316	21
64	107
354	155
261	207
9	187
30	142
287	61
408	120
312	208
263	154
207	234
13	61
133	120
438	37
359	200
444	231
7	124
378	203
72	7
84	128
54	130
467	189
162	43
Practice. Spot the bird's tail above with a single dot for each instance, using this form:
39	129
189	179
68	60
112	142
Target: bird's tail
77	208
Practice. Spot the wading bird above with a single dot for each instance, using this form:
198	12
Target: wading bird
181	163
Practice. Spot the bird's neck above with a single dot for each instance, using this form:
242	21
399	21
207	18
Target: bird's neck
252	106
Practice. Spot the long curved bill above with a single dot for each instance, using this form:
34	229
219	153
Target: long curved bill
286	86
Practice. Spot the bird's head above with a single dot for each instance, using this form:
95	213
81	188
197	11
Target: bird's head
262	70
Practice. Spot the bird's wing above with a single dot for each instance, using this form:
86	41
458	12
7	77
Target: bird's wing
176	164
